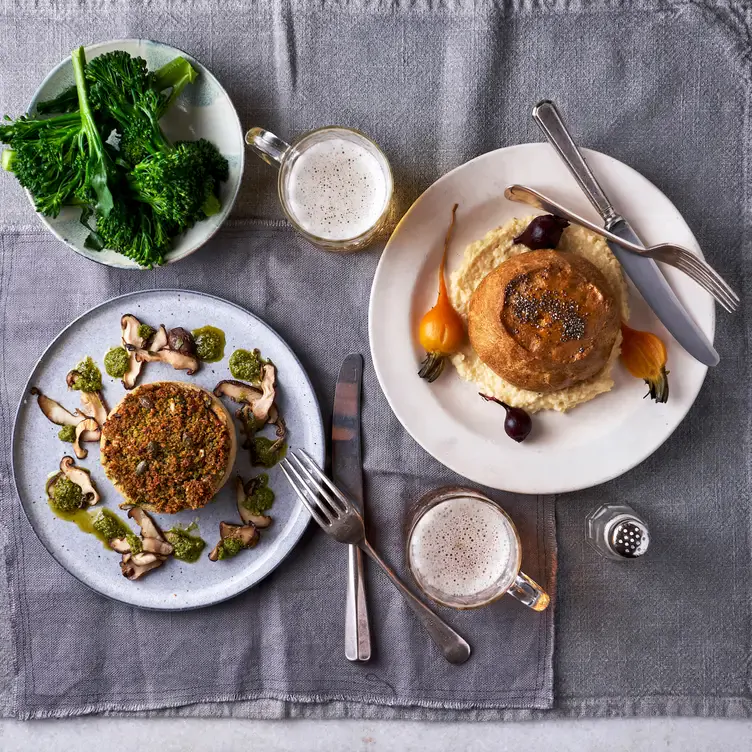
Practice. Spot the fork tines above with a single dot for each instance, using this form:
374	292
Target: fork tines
321	497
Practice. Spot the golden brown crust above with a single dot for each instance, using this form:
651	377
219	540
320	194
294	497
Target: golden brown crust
544	320
216	407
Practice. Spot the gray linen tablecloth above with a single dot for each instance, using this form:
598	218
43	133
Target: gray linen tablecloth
661	85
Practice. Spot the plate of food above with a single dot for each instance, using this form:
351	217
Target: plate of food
548	329
145	448
151	169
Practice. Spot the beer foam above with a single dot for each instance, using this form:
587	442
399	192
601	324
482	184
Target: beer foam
336	189
462	547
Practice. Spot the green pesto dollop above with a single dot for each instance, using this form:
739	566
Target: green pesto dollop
186	547
145	331
67	433
135	542
263	453
66	495
210	343
259	497
116	362
110	526
229	547
89	377
246	366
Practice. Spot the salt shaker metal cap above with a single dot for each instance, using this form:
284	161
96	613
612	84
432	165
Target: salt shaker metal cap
617	532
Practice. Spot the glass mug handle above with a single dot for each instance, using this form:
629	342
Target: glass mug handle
269	147
529	592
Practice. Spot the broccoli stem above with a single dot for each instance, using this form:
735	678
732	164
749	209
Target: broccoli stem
211	206
176	74
97	167
7	159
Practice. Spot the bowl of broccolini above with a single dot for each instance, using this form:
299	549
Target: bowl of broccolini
131	153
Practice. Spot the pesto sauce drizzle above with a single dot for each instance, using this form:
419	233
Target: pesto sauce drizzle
210	343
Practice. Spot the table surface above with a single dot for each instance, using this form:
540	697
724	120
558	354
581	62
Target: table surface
187	734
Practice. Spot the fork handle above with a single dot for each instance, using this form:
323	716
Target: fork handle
547	116
453	647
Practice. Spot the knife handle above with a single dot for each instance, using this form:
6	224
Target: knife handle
357	629
547	116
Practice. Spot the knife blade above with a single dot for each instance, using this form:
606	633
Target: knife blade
660	297
643	272
347	473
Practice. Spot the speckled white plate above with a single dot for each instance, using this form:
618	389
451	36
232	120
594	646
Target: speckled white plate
37	452
203	110
593	443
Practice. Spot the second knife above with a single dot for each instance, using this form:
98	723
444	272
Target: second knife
347	473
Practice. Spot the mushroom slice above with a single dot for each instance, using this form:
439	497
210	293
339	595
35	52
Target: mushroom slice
261	401
237	391
133	570
148	527
93	405
180	362
130	337
159	340
156	546
82	478
55	412
142	558
260	521
87	430
120	545
263	406
247	534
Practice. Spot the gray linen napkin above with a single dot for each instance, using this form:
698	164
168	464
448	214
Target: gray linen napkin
663	85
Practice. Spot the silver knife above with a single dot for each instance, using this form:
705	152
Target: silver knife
347	473
644	272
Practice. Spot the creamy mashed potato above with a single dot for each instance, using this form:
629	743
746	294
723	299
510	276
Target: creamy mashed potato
482	257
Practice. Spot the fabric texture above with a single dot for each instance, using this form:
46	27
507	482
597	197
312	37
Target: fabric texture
662	85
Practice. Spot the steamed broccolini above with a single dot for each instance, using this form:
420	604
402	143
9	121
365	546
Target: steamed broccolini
141	193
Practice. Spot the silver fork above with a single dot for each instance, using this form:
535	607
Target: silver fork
339	517
669	253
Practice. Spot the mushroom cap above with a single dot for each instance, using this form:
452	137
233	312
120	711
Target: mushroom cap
81	477
217	407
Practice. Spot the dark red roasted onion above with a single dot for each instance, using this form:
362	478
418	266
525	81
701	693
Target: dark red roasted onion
543	232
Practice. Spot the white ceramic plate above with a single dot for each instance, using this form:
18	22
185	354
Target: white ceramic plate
203	110
37	452
596	441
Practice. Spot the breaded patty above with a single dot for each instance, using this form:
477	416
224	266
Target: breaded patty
168	446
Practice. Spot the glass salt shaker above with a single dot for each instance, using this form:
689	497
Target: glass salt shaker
615	531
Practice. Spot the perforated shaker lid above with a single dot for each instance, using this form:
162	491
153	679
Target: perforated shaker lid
629	538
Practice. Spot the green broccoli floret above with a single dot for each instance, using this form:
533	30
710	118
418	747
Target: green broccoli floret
133	229
61	160
49	159
178	184
141	192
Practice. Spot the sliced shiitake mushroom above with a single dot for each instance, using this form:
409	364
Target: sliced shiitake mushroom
54	411
188	363
260	521
129	326
87	430
237	391
93	405
135	566
120	545
82	478
148	527
262	406
159	341
155	548
247	534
